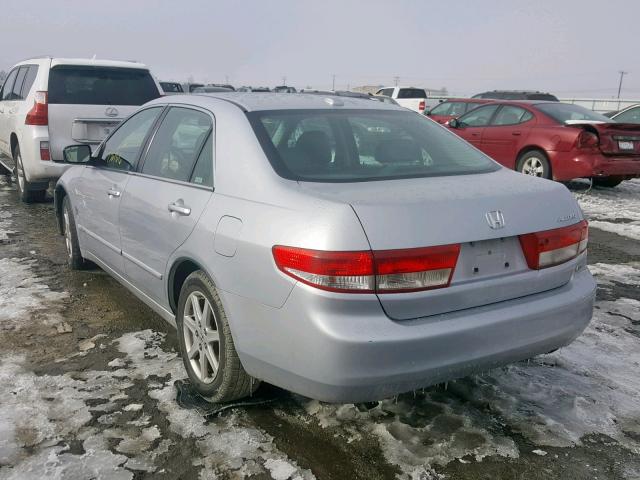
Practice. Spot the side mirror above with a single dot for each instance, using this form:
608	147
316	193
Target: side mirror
427	113
453	123
77	154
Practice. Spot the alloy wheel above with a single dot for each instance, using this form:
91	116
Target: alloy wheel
533	166
201	337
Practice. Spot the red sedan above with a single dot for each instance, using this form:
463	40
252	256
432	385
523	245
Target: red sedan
453	108
553	140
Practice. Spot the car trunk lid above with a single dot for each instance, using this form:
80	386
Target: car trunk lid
614	138
462	210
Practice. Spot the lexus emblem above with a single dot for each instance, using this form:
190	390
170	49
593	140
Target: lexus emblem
111	112
495	219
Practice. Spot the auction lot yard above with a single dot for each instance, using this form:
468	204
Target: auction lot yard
88	372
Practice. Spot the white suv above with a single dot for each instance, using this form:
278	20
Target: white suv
49	103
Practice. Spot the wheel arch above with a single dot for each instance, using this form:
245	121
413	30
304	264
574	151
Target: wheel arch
58	197
13	142
182	267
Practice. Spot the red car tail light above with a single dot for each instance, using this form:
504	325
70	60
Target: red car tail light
384	271
553	247
422	105
45	154
588	140
39	113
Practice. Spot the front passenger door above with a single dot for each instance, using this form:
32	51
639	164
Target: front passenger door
165	198
98	192
472	124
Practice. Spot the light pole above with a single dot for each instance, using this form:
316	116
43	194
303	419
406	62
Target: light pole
622	74
333	84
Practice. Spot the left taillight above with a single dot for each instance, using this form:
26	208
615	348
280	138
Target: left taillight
39	113
382	271
553	247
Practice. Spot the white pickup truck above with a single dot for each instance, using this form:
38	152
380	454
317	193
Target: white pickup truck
409	97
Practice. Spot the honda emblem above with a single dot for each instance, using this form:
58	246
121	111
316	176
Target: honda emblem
495	219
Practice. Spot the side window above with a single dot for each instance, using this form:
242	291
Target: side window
8	84
16	91
510	115
387	92
122	149
479	117
630	116
203	171
177	143
442	109
28	80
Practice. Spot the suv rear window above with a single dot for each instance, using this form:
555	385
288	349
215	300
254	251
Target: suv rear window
412	93
362	145
72	84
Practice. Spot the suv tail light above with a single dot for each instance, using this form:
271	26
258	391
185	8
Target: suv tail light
422	105
553	247
588	140
383	271
39	113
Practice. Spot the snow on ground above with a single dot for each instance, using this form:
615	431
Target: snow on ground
615	210
40	414
5	214
589	386
24	297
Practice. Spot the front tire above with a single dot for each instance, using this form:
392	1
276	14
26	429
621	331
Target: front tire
607	182
74	257
534	163
206	345
26	191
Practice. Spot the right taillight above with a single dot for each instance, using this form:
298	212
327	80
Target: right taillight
382	271
553	247
588	140
39	113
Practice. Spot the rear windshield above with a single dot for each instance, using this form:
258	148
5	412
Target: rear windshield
171	87
71	84
362	145
563	112
412	93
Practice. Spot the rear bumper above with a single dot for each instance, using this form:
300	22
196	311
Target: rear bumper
36	170
348	350
569	165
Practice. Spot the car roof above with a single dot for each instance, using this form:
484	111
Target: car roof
94	62
259	101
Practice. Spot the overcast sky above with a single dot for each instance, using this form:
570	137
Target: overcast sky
567	47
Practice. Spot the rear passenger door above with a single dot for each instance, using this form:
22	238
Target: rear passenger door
166	196
5	100
507	132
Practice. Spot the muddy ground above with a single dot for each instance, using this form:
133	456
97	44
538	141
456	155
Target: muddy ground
88	372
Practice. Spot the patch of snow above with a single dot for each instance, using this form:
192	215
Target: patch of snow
606	274
602	205
542	453
24	297
280	469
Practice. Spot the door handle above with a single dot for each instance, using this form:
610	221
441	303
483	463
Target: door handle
113	193
179	209
516	134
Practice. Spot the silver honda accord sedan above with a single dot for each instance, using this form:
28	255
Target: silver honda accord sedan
340	248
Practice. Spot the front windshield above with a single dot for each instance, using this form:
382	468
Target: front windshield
362	145
563	112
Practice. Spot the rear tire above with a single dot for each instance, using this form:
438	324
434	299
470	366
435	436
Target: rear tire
26	192
206	345
607	182
74	257
534	163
